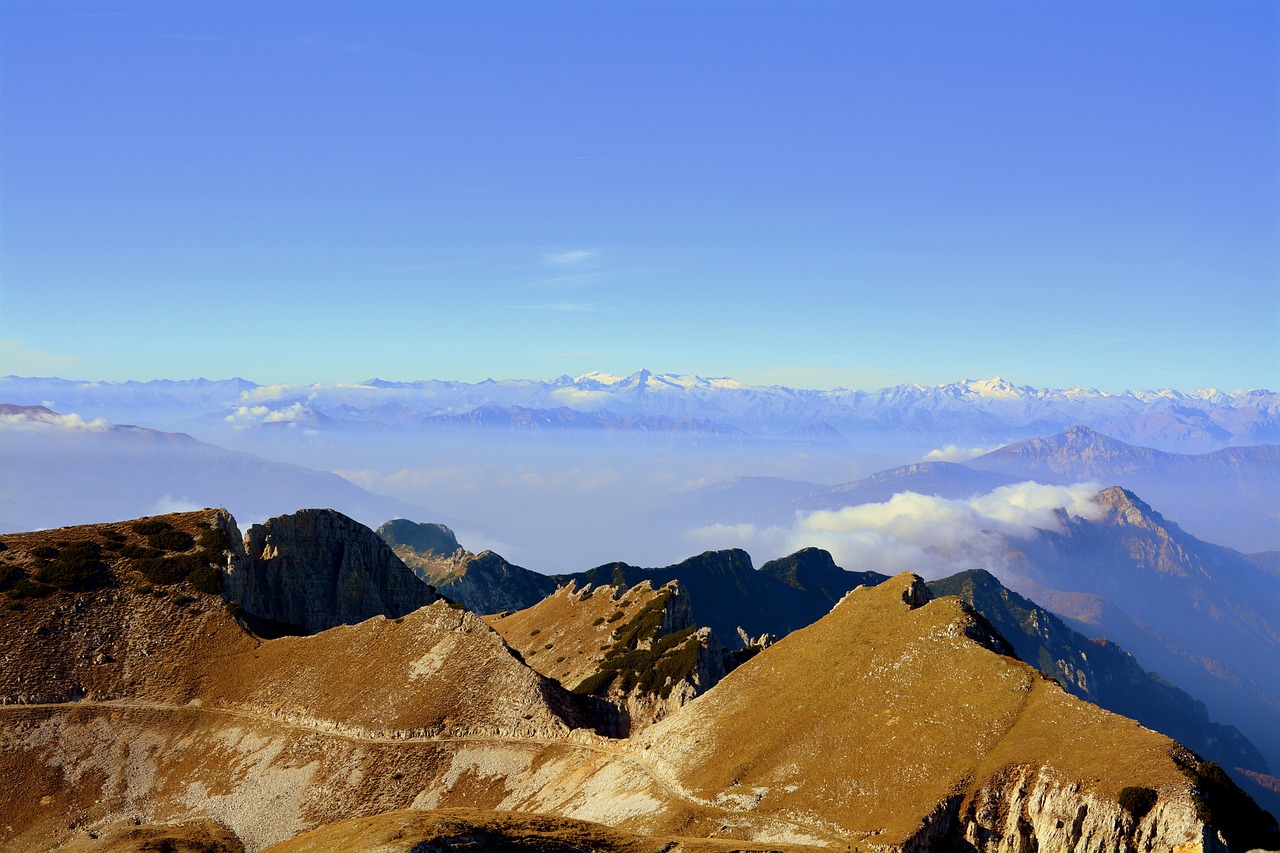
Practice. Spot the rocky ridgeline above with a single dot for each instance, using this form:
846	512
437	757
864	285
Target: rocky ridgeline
636	653
317	568
898	721
484	582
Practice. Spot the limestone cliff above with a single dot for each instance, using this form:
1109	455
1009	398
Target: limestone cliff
317	568
484	582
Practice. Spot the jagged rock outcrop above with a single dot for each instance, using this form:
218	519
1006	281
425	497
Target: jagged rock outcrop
317	568
484	582
1025	808
638	649
434	540
729	593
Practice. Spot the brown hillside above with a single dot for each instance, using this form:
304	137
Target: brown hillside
565	635
889	722
926	722
453	829
639	649
132	623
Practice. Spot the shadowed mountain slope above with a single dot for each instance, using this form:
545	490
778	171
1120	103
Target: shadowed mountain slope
1200	614
933	727
1101	672
736	595
1227	496
484	582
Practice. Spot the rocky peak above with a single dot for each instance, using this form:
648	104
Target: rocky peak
317	568
1124	507
915	592
435	540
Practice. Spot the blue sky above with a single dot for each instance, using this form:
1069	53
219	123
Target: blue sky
815	194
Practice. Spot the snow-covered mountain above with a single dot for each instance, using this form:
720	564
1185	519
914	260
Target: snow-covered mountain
988	411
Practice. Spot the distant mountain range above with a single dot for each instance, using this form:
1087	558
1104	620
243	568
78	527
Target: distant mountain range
58	469
980	411
1228	495
1201	615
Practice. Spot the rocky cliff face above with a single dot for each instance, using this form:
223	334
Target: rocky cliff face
435	540
317	568
484	582
1027	808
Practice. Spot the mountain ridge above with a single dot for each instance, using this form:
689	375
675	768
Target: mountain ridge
970	409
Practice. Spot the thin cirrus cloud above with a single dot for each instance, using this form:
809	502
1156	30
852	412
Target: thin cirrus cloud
564	307
570	258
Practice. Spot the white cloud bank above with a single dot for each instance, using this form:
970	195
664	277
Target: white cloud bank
929	535
247	415
42	421
952	453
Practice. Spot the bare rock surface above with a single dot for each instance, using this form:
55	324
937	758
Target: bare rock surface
317	568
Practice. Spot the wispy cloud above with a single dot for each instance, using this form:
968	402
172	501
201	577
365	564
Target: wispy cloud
571	258
584	279
17	357
565	307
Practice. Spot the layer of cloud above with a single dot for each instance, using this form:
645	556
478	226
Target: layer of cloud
913	532
249	415
952	453
168	504
43	421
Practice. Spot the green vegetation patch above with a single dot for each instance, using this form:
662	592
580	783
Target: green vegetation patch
668	659
171	540
10	575
198	568
150	526
139	552
27	588
76	566
1137	801
1221	804
214	539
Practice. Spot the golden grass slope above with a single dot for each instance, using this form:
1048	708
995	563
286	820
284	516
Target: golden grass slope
884	721
565	636
883	724
474	829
